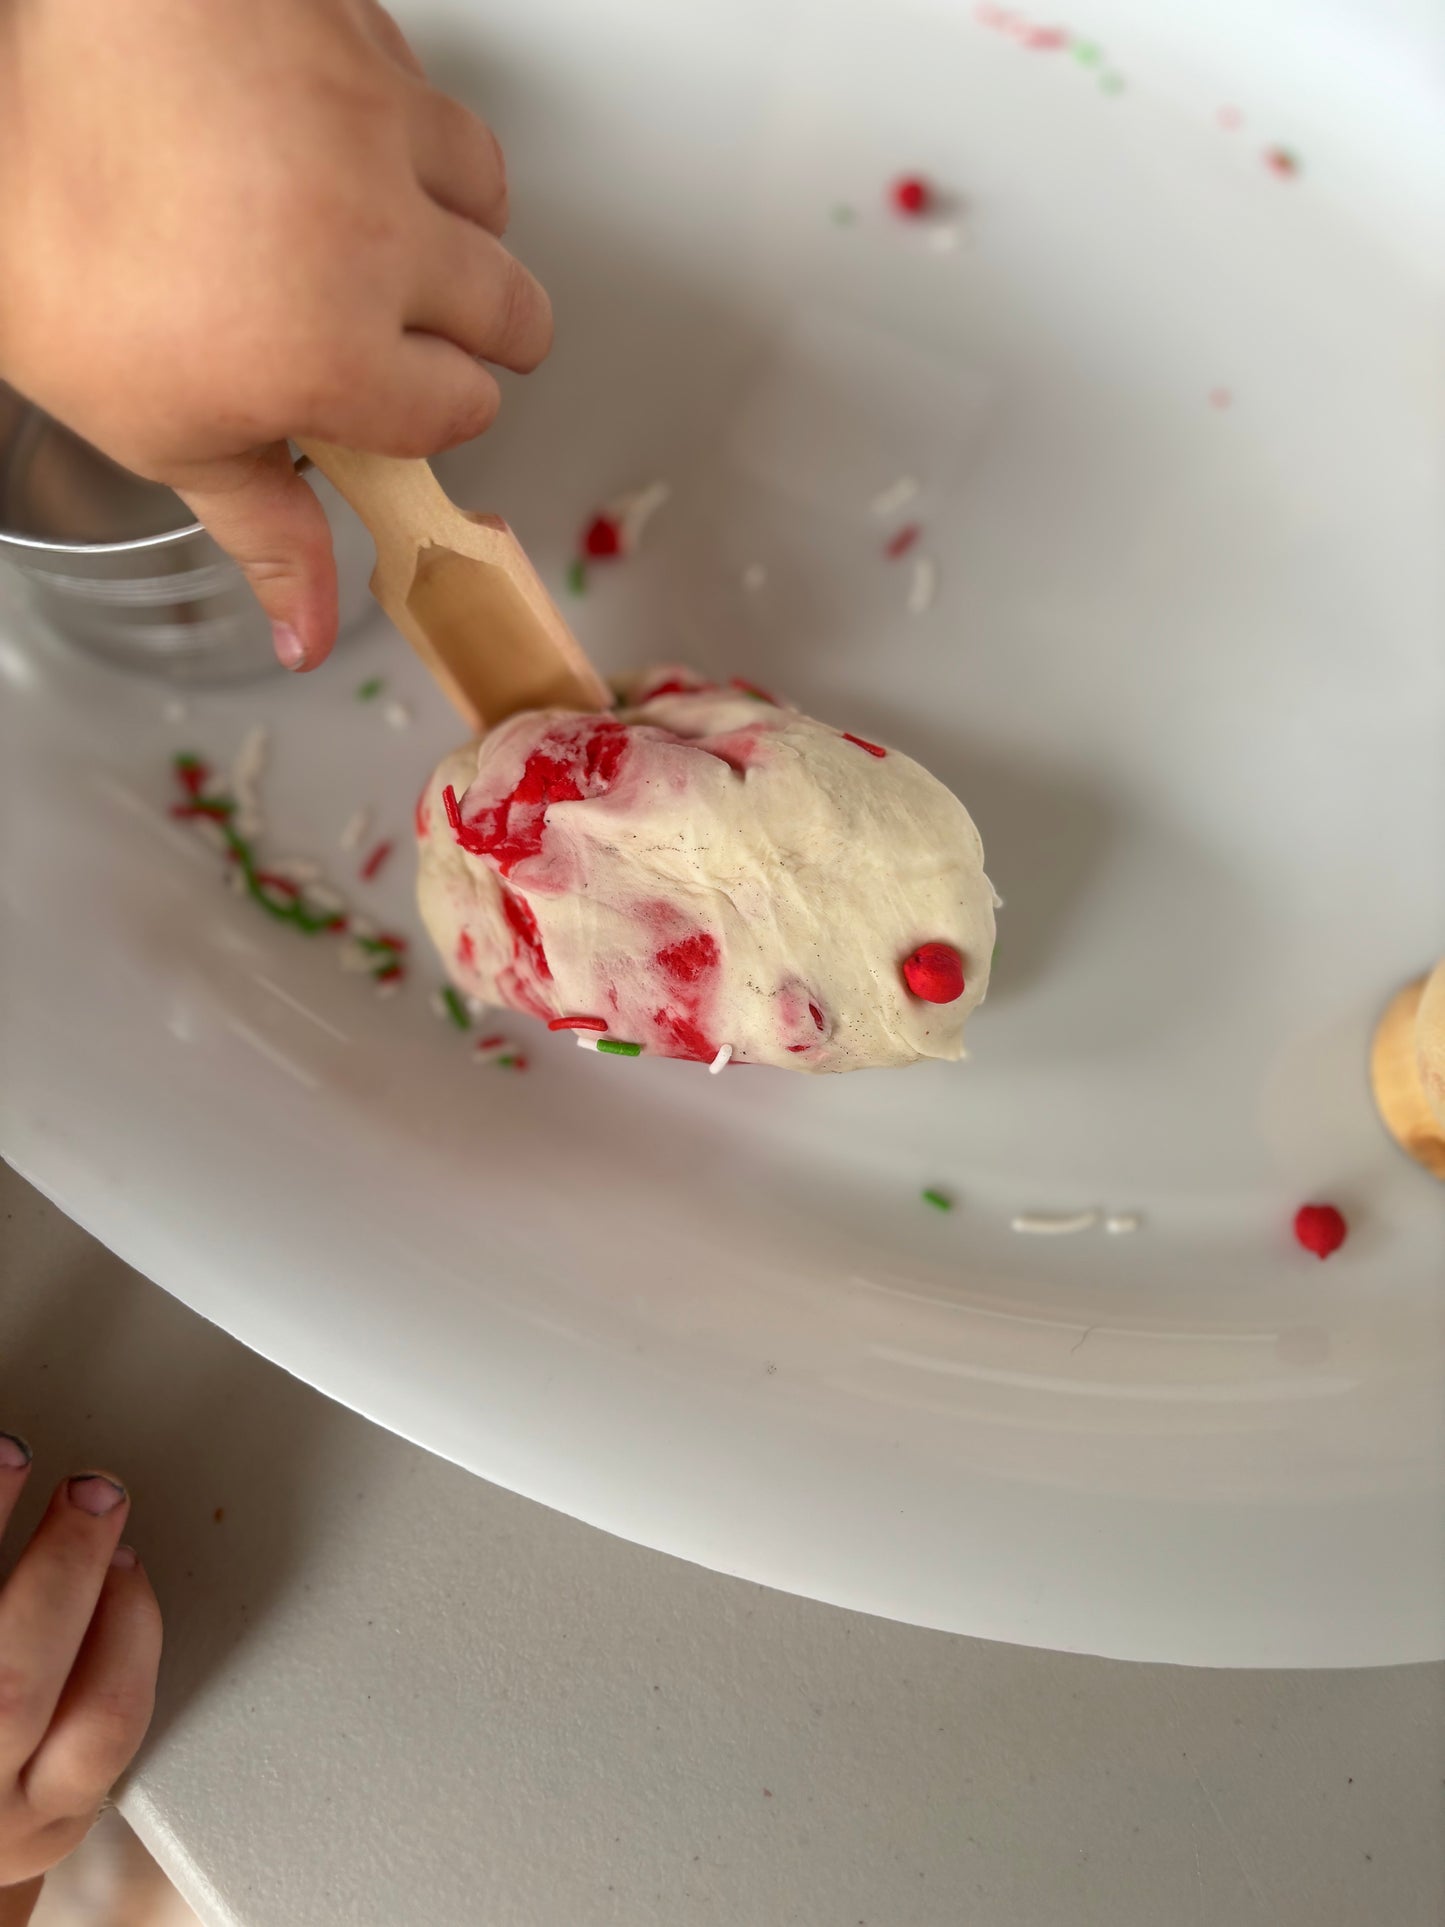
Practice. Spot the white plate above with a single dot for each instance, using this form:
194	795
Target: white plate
1183	666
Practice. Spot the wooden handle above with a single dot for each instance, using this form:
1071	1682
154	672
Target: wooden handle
462	591
395	499
1407	1069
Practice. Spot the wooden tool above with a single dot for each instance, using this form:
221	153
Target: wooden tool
1407	1069
461	590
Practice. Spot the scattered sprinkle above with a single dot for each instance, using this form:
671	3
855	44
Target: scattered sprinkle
577	577
246	768
911	196
755	577
368	691
356	828
872	748
896	496
1320	1228
1119	1223
512	1062
1220	397
214	816
902	542
940	1200
1280	161
611	1046
721	1061
633	512
923	587
1046	1224
398	715
447	1005
1087	53
452	808
374	862
578	1023
934	973
602	539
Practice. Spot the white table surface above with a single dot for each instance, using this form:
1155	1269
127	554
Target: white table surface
395	1694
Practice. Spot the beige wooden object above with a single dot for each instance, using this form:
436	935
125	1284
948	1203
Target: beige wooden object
461	590
1407	1069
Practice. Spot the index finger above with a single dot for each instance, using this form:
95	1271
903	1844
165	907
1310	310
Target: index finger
47	1604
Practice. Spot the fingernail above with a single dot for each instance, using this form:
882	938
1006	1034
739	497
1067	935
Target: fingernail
94	1493
289	646
15	1454
124	1559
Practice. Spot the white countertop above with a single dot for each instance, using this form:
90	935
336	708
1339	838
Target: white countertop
395	1695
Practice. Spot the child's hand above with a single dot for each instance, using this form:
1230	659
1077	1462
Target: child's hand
80	1640
226	223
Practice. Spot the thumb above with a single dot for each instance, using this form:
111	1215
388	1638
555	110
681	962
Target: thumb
266	519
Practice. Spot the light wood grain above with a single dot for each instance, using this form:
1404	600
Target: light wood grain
460	588
1407	1069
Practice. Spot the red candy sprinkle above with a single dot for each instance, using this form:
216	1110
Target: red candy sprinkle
872	748
911	195
935	973
602	538
901	543
1320	1228
453	808
374	862
577	1023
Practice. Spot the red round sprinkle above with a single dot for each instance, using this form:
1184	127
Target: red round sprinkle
1320	1228
577	1023
602	538
872	748
911	195
935	973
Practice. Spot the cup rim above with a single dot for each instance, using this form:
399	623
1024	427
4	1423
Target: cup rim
44	545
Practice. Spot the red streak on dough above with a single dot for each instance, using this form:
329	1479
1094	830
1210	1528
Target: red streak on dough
689	967
466	949
576	760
